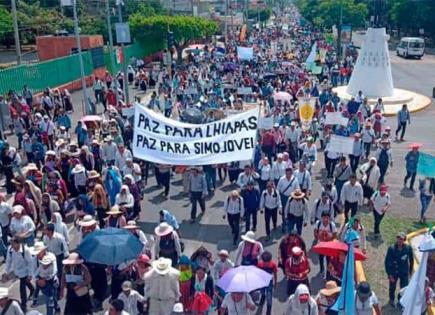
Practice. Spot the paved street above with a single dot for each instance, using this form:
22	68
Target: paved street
213	232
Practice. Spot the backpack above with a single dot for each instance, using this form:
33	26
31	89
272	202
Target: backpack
318	203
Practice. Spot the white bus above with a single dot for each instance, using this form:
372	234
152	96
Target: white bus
410	47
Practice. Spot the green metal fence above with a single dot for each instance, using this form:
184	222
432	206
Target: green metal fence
60	71
38	76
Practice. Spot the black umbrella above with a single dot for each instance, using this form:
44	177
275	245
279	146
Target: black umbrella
193	115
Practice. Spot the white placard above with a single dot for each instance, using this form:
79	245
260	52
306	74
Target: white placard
128	112
341	144
244	91
265	123
190	91
162	140
336	118
245	53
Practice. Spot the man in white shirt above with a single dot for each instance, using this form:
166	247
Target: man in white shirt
265	172
324	231
7	305
322	205
304	178
19	262
379	204
292	135
278	168
351	196
46	279
234	210
238	303
270	201
368	138
130	298
5	212
108	151
121	156
56	244
248	175
287	184
296	211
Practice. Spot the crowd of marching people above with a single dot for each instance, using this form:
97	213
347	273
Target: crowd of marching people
84	174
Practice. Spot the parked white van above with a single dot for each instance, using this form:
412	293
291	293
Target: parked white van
411	47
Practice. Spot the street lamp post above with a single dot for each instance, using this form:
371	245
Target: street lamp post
16	33
79	51
339	30
112	57
124	63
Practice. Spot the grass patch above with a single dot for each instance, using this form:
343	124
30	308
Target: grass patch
377	249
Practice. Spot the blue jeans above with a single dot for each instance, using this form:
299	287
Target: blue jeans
50	293
266	295
425	201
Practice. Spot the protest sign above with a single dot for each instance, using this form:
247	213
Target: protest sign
245	53
336	118
265	123
341	144
426	165
244	90
190	91
162	140
128	112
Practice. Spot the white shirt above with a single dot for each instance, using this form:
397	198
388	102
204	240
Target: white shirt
5	211
232	206
238	308
319	207
351	193
265	171
278	169
24	224
270	201
134	171
380	202
120	158
367	135
130	301
304	179
292	135
57	244
19	262
243	179
325	232
287	186
45	273
366	308
14	309
108	151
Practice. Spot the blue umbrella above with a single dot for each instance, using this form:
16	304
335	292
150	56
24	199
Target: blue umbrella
110	246
345	303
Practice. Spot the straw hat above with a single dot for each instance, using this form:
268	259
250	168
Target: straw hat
87	220
297	251
47	260
59	142
298	194
249	237
17	209
73	259
126	286
162	266
163	229
31	167
178	308
114	210
108	138
331	288
4	293
223	252
50	152
37	248
131	225
78	169
93	174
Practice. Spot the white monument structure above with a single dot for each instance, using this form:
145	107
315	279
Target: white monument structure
372	72
372	76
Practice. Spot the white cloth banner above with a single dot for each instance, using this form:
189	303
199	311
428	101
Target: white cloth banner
245	53
336	118
341	144
162	140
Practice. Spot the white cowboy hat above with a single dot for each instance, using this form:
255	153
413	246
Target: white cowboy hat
249	237
37	248
114	210
178	308
47	260
162	266
73	259
163	229
78	169
50	152
131	225
4	293
87	220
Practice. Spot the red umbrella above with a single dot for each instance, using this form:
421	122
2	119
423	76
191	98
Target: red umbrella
201	302
334	248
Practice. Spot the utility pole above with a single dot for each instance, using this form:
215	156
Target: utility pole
16	33
112	57
79	51
339	31
124	63
226	22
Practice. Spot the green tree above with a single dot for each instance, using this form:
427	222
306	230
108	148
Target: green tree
6	27
264	14
184	28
